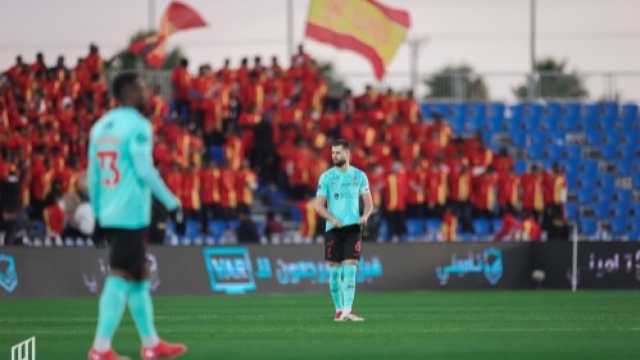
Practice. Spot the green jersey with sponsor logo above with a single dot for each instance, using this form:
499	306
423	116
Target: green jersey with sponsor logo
342	189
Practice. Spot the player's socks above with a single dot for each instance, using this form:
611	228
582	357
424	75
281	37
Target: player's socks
348	286
113	301
335	273
141	309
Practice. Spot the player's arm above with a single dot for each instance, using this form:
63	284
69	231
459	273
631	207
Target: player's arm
93	179
320	203
367	200
140	148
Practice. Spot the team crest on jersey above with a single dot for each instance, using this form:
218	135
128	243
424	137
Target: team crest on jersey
336	196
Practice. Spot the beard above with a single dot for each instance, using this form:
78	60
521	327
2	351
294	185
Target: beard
339	163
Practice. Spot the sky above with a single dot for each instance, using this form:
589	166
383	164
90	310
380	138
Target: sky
595	37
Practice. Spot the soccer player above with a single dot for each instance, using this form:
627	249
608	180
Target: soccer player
338	201
121	179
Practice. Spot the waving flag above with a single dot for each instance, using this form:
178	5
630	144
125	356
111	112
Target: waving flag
367	27
176	17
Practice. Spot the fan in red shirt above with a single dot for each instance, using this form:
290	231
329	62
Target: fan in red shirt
190	194
508	192
555	195
437	189
395	200
484	194
417	178
460	188
229	199
93	61
181	82
310	220
252	93
502	162
533	192
210	193
54	219
408	109
246	184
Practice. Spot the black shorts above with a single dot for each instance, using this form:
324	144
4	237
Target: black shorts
343	244
128	251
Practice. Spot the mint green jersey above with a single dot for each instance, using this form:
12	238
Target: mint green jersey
342	189
121	175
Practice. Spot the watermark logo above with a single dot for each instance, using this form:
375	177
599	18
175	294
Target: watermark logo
25	350
8	273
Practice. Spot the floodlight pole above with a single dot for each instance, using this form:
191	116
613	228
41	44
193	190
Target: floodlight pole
290	28
414	57
151	14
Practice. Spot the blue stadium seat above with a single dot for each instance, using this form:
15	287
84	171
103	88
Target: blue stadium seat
634	230
588	226
635	207
570	118
594	136
192	228
217	154
415	228
609	150
533	116
636	180
481	227
589	168
433	226
551	117
553	151
619	226
607	183
624	166
535	151
520	167
571	209
602	209
619	209
572	180
574	151
217	228
519	138
425	110
585	195
629	116
623	197
496	225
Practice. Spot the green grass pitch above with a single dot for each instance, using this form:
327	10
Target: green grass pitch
404	325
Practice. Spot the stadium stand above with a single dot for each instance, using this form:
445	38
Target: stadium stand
254	139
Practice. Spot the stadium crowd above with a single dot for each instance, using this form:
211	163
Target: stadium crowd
231	134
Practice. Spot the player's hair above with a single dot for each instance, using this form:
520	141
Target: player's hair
342	142
122	82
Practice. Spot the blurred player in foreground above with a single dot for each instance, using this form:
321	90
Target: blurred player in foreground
121	179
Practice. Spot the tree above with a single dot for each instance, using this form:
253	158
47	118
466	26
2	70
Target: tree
459	82
553	81
125	60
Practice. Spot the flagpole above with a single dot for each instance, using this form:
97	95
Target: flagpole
289	29
151	14
414	57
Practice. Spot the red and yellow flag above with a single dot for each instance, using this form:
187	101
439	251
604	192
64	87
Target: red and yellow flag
367	27
176	17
